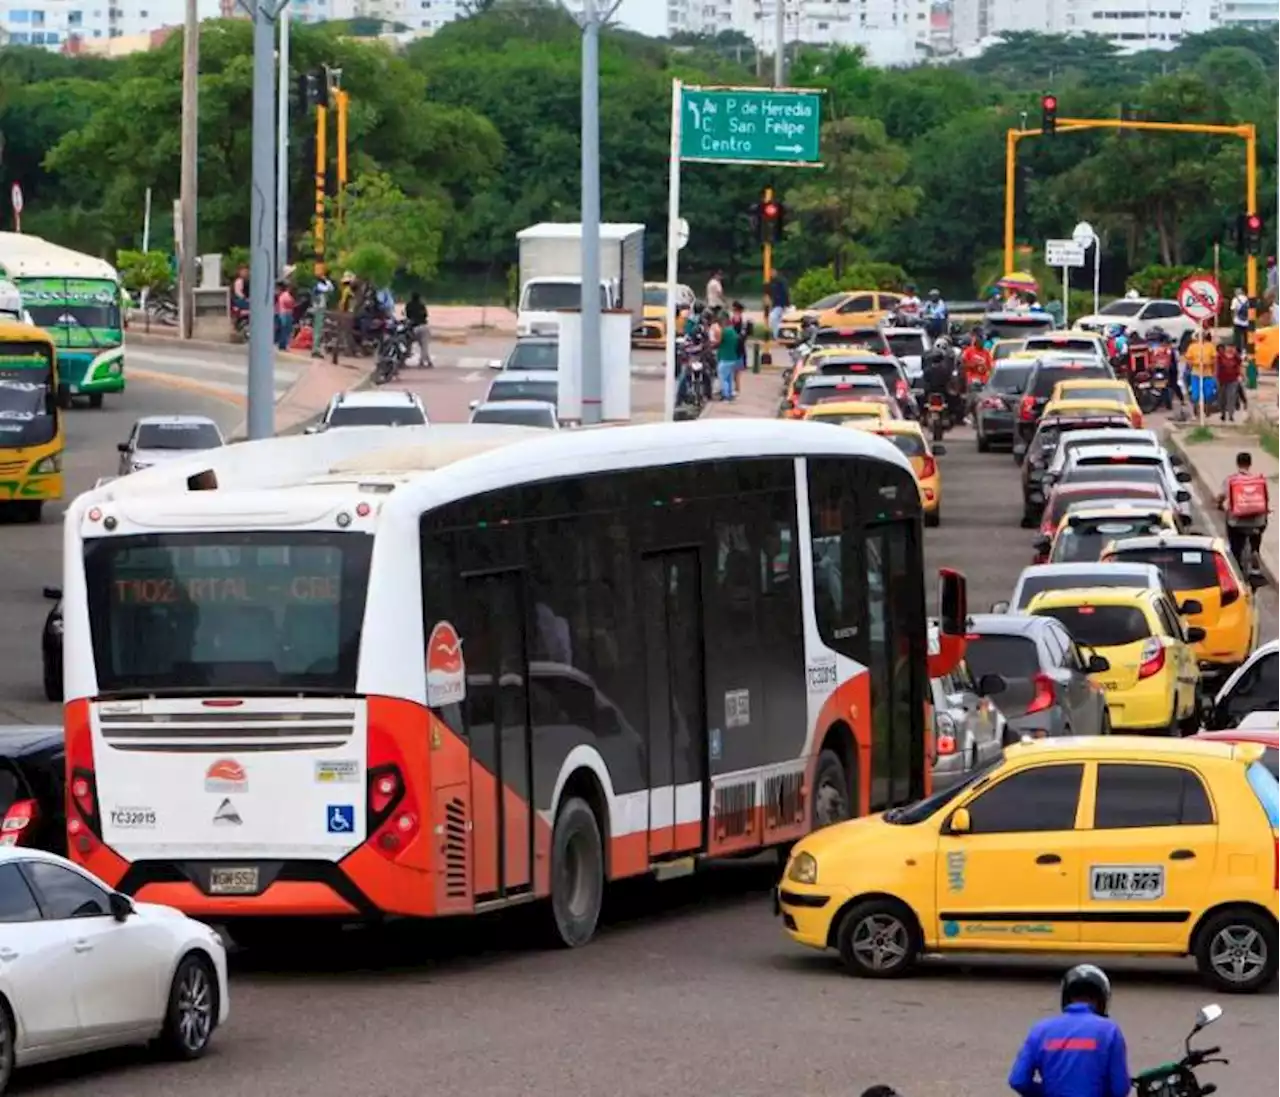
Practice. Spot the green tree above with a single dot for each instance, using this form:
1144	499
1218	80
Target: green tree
380	220
144	273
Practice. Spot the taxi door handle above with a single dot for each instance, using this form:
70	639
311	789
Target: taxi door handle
1048	859
1182	855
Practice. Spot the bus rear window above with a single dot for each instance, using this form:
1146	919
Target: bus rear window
227	611
1101	626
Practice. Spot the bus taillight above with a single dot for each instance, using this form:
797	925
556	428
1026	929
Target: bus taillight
394	819
84	827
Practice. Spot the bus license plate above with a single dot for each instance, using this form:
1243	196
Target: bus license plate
233	881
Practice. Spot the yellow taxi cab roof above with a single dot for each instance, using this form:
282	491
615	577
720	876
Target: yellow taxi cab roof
1094	383
846	407
25	333
1090	596
1186	542
1072	407
1130	508
1122	746
902	426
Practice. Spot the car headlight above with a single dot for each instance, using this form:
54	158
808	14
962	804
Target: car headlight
804	869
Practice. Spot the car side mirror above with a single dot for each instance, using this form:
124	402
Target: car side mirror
1195	634
1176	459
53	593
1097	664
989	685
1183	476
1042	543
1182	496
495	363
959	823
1000	607
1190	606
122	447
473	405
1257	580
939	450
313	429
121	906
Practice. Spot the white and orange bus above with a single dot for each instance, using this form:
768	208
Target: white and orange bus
317	677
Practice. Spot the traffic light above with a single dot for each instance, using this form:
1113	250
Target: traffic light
1048	113
772	217
1252	234
309	84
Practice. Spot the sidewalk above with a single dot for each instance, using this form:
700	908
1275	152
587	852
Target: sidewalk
757	397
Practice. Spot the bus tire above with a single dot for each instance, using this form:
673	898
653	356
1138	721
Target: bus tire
95	399
577	874
830	792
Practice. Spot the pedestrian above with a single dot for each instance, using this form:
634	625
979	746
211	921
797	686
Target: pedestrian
1247	501
779	301
240	290
1240	320
1228	376
715	290
284	315
727	355
1081	1051
319	300
743	327
415	312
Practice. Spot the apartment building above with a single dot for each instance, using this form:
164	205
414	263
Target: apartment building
1130	25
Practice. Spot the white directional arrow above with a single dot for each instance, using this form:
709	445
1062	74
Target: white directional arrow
790	148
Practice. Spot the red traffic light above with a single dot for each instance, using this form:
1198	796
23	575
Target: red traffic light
1254	223
770	210
1049	102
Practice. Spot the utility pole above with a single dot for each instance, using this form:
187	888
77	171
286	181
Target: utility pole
282	148
262	220
592	346
780	53
187	182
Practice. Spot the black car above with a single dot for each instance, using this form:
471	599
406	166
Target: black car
1040	451
996	406
1016	325
51	646
1042	380
32	782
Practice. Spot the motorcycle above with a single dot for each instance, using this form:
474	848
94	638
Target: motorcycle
1179	1079
1149	388
689	364
393	351
935	416
240	325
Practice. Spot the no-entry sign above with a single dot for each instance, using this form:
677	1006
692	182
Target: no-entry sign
1200	298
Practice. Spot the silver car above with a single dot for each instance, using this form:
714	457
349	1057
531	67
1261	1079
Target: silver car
158	438
519	413
968	729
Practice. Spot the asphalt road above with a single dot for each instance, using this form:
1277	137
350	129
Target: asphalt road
32	554
691	986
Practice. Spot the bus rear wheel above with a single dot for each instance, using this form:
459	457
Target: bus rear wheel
95	399
830	791
577	874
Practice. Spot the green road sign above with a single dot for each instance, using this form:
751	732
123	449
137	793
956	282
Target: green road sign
750	126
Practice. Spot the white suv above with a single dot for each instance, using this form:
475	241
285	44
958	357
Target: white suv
1140	315
373	409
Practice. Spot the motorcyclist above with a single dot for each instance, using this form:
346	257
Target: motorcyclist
938	372
909	306
1118	348
1163	358
935	314
1080	1052
1246	500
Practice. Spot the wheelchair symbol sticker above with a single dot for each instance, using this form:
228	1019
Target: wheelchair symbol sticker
341	818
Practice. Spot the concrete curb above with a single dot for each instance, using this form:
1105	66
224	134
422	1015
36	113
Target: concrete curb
1207	492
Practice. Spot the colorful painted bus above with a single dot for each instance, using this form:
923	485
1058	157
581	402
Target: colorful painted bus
317	678
32	433
76	298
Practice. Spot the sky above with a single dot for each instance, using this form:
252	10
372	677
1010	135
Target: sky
646	16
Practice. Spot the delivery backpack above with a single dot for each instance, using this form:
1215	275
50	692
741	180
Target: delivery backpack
1247	496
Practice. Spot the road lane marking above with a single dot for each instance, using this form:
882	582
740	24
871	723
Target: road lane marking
202	388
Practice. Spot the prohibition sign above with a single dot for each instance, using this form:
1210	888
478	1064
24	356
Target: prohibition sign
1199	297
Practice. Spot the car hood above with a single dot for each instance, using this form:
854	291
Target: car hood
860	840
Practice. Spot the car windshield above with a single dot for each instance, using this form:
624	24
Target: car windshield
545	391
1010	656
816	392
1061	344
406	416
1010	379
655	295
551	296
27	414
516	416
1123	307
178	436
910	814
1083	543
1105	576
227	610
1270	757
1101	626
1184	569
907	345
870	339
533	356
1018	327
1047	377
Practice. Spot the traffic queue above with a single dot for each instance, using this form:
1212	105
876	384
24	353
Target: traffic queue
1076	806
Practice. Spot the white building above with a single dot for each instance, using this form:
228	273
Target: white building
1130	25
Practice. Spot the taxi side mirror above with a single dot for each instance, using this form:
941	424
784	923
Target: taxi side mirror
1189	607
959	823
1000	607
1184	477
1195	635
473	405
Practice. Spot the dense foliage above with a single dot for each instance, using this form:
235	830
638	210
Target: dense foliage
468	136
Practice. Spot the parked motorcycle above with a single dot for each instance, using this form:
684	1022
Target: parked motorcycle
1179	1079
240	325
393	352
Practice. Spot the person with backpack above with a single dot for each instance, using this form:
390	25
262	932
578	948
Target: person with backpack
1247	502
1228	376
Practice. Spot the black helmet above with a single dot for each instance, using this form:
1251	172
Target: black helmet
1087	981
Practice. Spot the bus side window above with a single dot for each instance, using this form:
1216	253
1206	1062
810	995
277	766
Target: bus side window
837	569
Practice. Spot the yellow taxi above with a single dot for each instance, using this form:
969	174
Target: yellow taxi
1007	348
1098	388
1151	679
1098	844
1200	569
910	440
652	329
1085	530
839	310
846	411
854	360
1266	347
1083	407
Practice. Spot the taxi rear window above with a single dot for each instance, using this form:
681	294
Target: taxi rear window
1263	782
911	445
813	394
1047	377
1102	626
1184	569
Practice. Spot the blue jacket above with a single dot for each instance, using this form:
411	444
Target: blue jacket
1076	1054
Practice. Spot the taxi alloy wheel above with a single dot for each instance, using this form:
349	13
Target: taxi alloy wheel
878	940
1236	951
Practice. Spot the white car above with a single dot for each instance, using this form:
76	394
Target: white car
1141	314
385	408
1251	690
158	438
1131	462
84	968
1037	578
909	346
1072	344
518	413
541	385
1102	436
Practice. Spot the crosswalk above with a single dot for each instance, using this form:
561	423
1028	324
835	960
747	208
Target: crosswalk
226	373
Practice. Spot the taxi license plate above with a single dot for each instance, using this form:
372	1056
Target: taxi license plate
233	881
1109	686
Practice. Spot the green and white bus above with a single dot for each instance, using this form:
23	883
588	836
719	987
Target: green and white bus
76	299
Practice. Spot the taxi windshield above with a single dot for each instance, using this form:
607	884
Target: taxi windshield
910	814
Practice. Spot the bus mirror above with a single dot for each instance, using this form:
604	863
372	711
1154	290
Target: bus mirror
953	603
